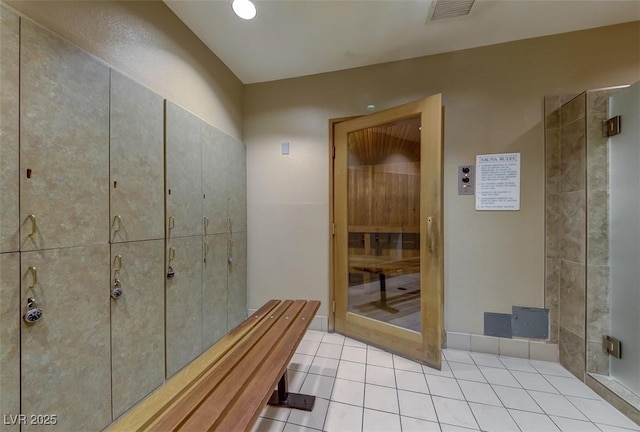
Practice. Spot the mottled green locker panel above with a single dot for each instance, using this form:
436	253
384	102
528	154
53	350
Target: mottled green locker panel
64	147
183	172
65	365
214	179
137	321
237	277
136	161
214	290
184	302
237	183
9	123
9	338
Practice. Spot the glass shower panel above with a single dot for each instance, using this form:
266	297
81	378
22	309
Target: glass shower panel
624	236
383	216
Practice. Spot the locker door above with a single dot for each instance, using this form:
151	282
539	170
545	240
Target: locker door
10	312
137	321
65	365
64	147
137	161
9	114
214	290
184	302
237	277
214	180
184	172
237	183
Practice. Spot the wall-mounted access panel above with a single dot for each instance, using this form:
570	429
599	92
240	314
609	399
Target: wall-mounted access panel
136	161
64	143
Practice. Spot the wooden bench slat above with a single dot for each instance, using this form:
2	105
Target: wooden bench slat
205	416
267	376
180	412
141	416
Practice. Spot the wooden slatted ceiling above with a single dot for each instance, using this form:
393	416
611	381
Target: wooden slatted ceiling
373	146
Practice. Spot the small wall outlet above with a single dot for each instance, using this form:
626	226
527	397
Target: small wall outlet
466	180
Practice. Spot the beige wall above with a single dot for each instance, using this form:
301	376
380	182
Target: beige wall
146	41
493	99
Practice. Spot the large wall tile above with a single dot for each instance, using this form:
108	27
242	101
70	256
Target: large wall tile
9	127
552	226
597	302
66	361
237	278
573	226
214	290
183	171
573	109
552	295
572	296
10	312
572	156
136	161
137	322
572	353
64	141
184	303
552	111
237	183
214	179
597	153
552	160
597	361
598	227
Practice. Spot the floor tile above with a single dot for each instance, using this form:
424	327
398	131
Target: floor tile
267	425
333	338
445	371
349	392
493	419
329	350
516	398
454	412
290	427
351	371
518	364
354	354
275	413
499	377
354	343
416	425
479	392
342	417
599	411
324	366
407	365
376	421
571	386
307	347
442	386
318	385
481	359
295	379
381	398
609	428
313	419
411	381
457	356
451	428
300	362
533	422
379	358
549	368
466	371
313	335
380	376
572	425
556	405
533	381
416	405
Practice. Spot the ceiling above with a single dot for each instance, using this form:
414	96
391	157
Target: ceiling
291	38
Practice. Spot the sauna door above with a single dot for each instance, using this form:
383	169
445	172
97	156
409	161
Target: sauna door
387	211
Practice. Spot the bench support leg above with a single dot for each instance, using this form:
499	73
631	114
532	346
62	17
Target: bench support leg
283	398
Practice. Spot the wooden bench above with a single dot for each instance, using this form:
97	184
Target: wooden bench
226	387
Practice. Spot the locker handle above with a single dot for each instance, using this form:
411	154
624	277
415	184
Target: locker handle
172	222
117	264
118	219
34	277
206	251
34	226
205	223
172	253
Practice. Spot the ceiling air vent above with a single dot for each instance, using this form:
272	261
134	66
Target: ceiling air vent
451	8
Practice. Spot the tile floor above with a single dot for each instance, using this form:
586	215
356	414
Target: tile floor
360	388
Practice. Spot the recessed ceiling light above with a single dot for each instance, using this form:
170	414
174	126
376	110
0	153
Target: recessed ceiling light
245	9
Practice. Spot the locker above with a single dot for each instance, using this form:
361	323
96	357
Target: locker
183	302
10	338
65	365
136	161
214	180
237	277
183	172
64	143
137	321
237	183
214	290
9	124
